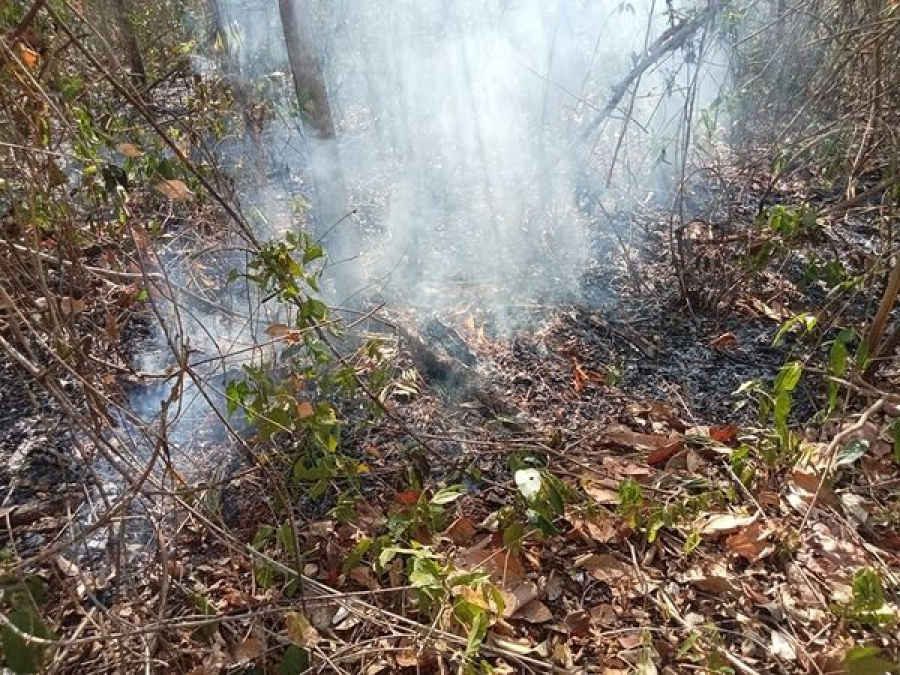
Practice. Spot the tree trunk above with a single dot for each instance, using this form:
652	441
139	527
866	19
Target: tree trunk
309	84
122	10
330	199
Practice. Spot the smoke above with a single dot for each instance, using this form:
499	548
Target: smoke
461	149
460	136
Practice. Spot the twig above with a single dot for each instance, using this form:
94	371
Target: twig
832	450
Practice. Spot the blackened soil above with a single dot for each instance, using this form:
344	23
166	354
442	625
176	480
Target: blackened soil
35	440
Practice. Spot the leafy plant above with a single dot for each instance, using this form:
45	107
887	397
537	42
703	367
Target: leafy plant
21	602
867	605
775	406
545	497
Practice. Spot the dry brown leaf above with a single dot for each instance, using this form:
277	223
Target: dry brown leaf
502	565
603	567
277	330
578	623
601	494
752	543
601	530
724	342
534	611
517	597
365	577
30	58
300	631
719	524
129	150
175	190
249	650
621	435
663	453
461	531
806	485
305	409
723	433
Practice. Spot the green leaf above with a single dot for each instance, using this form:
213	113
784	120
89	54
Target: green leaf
866	661
782	408
868	591
313	252
20	657
294	662
852	452
806	321
894	430
788	377
447	495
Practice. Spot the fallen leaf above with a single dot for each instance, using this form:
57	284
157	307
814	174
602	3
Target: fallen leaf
249	650
601	530
724	341
601	494
782	647
365	577
534	611
461	531
175	190
753	543
603	567
517	597
277	330
408	497
621	435
503	565
305	410
806	485
30	58
578	623
129	150
723	433
719	524
300	631
665	452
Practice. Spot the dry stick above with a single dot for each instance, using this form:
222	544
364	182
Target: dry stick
832	450
876	330
665	43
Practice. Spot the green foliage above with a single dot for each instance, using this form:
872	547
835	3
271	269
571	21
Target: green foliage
783	228
775	406
631	502
837	364
438	585
545	497
650	517
21	602
867	606
868	661
791	225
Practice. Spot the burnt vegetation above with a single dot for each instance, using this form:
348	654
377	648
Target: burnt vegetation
449	337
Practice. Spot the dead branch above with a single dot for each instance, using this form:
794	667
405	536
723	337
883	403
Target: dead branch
669	41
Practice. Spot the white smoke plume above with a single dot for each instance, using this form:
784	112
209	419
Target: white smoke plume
460	133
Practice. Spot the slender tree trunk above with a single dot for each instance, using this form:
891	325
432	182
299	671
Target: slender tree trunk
122	10
309	83
218	35
330	200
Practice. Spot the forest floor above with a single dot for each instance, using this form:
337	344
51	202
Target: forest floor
665	538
